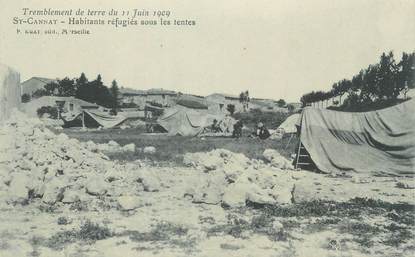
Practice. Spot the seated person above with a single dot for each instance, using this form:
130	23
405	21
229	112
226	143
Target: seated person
261	131
215	128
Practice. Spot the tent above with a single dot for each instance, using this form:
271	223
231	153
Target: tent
380	141
92	119
289	125
189	122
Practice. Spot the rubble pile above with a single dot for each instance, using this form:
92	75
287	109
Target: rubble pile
110	147
35	164
232	179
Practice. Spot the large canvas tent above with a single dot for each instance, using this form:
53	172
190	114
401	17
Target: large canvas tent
189	122
93	119
380	141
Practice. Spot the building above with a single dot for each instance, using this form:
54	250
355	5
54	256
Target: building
35	83
142	97
64	104
219	102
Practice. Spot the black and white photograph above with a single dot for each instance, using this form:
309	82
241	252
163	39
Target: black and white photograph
202	128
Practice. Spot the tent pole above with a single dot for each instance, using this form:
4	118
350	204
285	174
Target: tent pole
83	119
289	140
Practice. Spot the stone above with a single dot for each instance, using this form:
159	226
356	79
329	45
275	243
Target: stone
127	202
282	195
277	226
53	191
150	183
96	186
149	150
19	188
235	195
129	148
71	196
276	159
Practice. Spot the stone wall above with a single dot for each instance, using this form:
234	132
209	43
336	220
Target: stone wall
9	91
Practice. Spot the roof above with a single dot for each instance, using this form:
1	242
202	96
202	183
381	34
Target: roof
40	79
130	91
153	91
34	83
72	99
228	96
160	91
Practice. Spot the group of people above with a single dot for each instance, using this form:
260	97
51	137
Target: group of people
260	131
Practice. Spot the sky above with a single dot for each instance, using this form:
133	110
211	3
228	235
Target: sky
273	48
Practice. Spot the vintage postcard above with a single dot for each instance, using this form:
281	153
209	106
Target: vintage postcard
207	128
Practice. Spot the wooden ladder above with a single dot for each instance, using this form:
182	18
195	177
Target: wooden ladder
303	158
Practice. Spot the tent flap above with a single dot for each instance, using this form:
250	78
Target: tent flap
380	141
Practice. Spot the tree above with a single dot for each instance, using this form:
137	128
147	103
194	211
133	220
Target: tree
25	98
94	91
66	87
50	110
387	86
51	88
244	99
230	108
39	93
115	92
384	80
406	75
290	107
281	103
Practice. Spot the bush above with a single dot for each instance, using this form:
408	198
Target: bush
230	108
25	98
270	119
52	111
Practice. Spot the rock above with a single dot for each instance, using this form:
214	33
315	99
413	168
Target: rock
96	186
150	183
53	191
129	148
112	143
211	194
276	159
282	195
277	226
235	195
71	196
257	195
127	202
19	188
91	146
149	150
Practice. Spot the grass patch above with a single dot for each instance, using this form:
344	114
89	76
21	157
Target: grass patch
239	228
161	232
88	232
169	234
171	149
348	218
354	208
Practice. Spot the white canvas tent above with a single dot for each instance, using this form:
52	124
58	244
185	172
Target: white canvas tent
190	122
93	119
289	125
